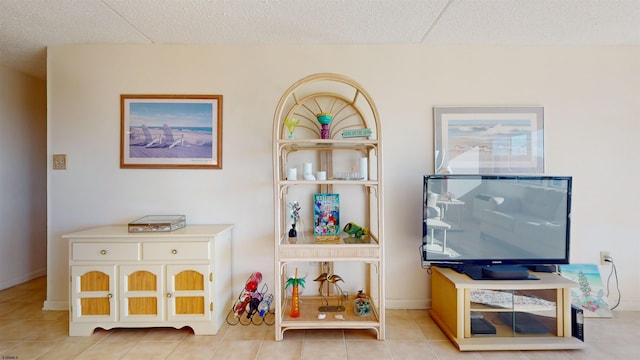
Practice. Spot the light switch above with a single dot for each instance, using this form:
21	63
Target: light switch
59	161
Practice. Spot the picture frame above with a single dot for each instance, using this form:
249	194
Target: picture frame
488	140
326	217
170	131
590	294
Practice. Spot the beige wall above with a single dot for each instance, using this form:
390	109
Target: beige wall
23	124
591	120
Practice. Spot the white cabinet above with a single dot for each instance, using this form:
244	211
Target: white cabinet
324	148
173	279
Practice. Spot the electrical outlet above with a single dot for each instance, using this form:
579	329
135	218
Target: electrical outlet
603	256
59	161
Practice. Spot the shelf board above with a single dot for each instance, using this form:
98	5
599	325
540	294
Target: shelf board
329	182
328	143
518	343
309	311
309	239
321	252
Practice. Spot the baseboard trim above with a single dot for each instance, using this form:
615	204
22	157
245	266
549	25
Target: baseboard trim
408	304
23	278
55	305
627	306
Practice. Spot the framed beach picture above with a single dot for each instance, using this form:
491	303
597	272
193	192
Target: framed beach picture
590	293
171	131
489	140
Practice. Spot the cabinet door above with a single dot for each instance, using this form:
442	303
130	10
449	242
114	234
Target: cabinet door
141	293
93	293
188	292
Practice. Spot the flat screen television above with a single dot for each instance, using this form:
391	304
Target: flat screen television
494	226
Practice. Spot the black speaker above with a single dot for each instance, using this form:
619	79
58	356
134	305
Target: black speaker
577	322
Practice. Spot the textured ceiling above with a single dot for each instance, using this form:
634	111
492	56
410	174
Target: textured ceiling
27	27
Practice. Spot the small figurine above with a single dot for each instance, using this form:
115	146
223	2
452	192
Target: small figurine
355	230
295	283
330	279
362	304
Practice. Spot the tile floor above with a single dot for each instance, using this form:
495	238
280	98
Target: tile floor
27	332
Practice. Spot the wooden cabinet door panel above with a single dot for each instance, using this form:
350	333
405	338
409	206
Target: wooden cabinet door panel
141	293
188	292
93	295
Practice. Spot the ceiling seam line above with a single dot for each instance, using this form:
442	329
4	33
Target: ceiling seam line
435	22
127	21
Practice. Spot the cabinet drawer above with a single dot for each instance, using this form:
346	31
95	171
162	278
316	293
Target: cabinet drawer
105	251
175	251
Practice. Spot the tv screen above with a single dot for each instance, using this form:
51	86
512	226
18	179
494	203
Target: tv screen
496	220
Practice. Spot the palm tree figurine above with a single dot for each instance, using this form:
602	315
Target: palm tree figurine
295	297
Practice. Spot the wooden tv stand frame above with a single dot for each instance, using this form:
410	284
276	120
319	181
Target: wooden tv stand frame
451	310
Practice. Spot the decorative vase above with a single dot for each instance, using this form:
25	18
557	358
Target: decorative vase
295	302
293	234
324	119
295	282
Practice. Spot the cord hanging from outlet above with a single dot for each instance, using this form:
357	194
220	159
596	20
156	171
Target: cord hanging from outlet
614	271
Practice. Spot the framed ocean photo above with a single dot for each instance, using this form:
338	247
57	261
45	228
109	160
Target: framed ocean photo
488	139
326	217
171	131
589	295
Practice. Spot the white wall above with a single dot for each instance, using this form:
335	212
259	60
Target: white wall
23	120
591	119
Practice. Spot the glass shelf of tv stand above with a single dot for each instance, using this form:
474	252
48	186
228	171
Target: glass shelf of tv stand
513	312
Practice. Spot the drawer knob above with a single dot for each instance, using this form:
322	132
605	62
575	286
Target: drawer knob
174	251
103	252
168	295
109	296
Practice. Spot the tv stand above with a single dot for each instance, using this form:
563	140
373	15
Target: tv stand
452	309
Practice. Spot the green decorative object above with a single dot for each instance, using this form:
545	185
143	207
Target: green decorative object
354	133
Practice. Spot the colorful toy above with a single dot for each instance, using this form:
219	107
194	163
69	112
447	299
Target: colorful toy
355	230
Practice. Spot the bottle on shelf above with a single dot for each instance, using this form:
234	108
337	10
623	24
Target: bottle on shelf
252	307
265	305
253	282
293	234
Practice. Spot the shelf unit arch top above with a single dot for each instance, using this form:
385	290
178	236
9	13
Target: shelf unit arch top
352	107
